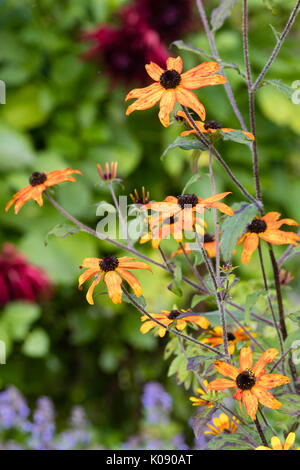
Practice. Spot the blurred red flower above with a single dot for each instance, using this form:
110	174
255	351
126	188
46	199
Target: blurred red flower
19	280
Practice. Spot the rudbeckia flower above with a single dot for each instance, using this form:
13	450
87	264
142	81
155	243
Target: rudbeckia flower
209	244
267	228
167	317
223	424
209	127
113	270
172	85
276	443
252	382
216	337
183	207
39	182
109	174
137	199
197	401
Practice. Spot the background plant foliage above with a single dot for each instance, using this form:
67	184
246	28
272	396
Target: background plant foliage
60	112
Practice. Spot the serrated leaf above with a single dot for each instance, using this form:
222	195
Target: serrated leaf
220	13
185	144
233	227
234	441
61	231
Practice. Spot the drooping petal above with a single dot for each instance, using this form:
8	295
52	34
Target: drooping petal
238	395
113	282
147	326
86	276
289	442
273	380
132	281
279	237
154	70
246	359
174	64
267	357
251	403
265	397
167	104
250	245
221	384
221	207
147	99
189	99
89	295
276	444
226	369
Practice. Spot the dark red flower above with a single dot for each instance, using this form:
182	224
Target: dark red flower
19	280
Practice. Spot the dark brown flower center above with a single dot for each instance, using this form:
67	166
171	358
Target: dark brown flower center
110	263
187	200
174	314
170	79
246	379
257	226
37	178
212	125
230	337
208	238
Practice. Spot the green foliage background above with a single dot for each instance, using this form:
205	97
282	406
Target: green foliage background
60	112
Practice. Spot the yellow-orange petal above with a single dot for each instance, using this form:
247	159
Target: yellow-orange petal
147	326
167	104
174	64
113	282
265	397
199	82
134	265
228	370
86	276
147	99
262	448
91	263
221	384
267	357
189	99
250	245
89	295
276	443
132	281
279	237
250	402
154	70
271	217
222	208
246	359
289	442
273	380
201	70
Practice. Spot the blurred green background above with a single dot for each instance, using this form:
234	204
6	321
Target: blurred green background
62	111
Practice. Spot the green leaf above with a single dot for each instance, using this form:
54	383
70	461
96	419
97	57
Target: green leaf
285	89
185	144
61	231
18	317
139	300
220	13
233	227
192	180
36	344
234	441
176	284
290	404
16	150
294	252
251	300
235	136
202	416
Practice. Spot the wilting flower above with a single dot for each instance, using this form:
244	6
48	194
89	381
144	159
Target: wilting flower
123	51
172	85
168	18
197	401
112	269
209	127
183	207
223	424
19	280
137	199
267	228
216	337
285	277
276	443
209	244
109	174
39	182
252	382
167	317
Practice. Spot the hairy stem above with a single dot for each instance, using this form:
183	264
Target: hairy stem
260	432
121	218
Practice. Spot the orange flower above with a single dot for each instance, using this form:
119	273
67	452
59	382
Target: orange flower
112	270
209	244
167	317
216	337
108	174
39	182
143	199
251	381
172	85
183	207
209	127
223	424
276	443
267	228
196	401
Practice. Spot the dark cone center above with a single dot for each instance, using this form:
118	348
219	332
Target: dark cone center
212	125
170	79
174	314
110	263
37	178
208	238
257	226
187	200
230	337
246	379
